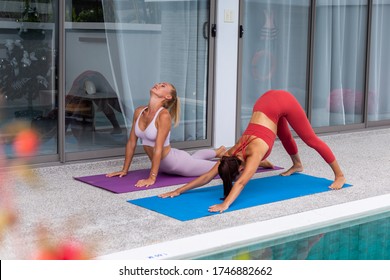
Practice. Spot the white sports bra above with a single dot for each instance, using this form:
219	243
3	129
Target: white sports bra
149	135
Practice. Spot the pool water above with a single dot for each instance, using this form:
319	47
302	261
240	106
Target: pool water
365	238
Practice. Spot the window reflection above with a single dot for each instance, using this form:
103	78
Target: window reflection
379	84
274	52
137	43
134	11
27	70
339	63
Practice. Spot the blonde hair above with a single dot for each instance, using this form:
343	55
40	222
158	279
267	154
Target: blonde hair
173	106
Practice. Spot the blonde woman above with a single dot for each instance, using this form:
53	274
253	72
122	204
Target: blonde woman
152	124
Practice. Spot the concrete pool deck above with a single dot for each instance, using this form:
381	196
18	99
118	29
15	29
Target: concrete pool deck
275	229
94	216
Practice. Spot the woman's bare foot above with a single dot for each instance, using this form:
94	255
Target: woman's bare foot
266	164
297	167
220	151
338	183
339	180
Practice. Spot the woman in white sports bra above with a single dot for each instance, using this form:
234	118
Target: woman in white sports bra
152	124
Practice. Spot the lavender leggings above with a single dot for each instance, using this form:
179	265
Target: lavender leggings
179	162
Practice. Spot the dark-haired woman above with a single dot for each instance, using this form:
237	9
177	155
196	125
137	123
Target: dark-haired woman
272	113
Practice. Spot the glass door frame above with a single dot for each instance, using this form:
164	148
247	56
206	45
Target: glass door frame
328	129
119	152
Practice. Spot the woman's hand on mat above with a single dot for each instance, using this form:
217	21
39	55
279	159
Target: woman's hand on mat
119	174
169	194
218	208
145	182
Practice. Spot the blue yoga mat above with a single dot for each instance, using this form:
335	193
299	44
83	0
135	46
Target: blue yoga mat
194	204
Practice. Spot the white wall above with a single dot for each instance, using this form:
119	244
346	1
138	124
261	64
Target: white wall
224	128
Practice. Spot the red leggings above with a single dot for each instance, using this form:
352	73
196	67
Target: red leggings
283	109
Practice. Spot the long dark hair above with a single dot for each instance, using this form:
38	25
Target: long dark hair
228	170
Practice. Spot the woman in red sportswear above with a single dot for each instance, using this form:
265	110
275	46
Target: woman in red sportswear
272	113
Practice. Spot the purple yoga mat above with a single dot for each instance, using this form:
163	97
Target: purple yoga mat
126	184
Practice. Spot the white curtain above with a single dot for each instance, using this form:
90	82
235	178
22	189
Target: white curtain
379	85
184	63
156	41
133	53
339	62
274	50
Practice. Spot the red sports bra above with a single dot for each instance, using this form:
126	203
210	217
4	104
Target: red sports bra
259	131
243	146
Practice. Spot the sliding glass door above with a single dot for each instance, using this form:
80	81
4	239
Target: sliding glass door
330	54
378	102
339	65
74	71
273	50
120	49
28	76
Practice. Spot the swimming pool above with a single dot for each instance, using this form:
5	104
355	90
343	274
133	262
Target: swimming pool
365	238
351	231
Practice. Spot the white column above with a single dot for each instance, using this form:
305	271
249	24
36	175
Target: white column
224	129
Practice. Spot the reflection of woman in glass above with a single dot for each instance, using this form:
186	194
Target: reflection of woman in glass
76	97
263	62
152	124
272	113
